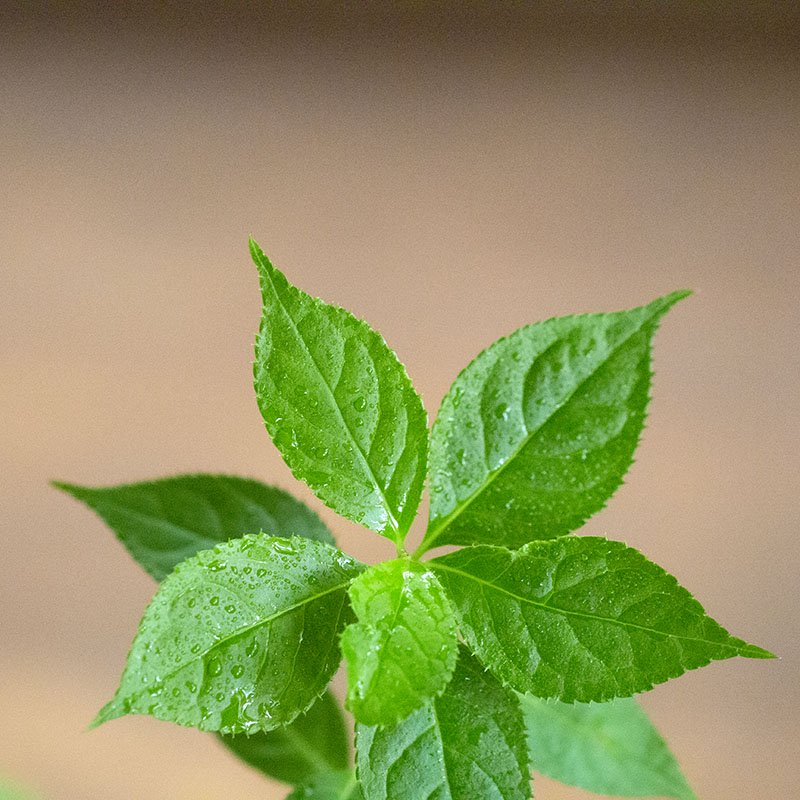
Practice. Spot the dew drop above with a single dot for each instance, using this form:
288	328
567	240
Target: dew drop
284	547
214	601
237	671
360	403
214	667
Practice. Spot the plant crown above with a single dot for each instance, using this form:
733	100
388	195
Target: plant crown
519	650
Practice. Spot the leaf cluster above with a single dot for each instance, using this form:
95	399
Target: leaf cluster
518	650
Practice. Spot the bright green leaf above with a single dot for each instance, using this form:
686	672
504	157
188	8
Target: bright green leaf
339	406
339	785
240	638
538	431
581	619
607	748
165	521
403	649
469	743
315	743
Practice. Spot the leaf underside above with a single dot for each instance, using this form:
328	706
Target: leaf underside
402	651
240	638
339	406
164	522
607	748
468	743
538	431
316	743
580	619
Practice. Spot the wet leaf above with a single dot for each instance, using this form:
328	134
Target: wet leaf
339	406
240	638
583	619
538	431
402	651
468	743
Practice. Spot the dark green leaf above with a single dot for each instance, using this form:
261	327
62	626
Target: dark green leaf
340	785
165	521
467	744
403	650
538	431
607	748
339	406
315	743
243	637
581	619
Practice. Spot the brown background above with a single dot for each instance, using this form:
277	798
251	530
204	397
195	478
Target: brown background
448	175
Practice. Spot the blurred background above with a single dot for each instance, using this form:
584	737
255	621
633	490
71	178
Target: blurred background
449	172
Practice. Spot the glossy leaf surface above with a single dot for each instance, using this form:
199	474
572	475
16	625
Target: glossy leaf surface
608	748
163	522
538	431
580	618
403	649
315	743
468	743
339	406
339	785
240	638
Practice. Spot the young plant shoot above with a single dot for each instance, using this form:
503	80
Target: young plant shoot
520	650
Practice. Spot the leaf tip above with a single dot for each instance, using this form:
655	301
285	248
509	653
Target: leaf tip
67	488
668	300
754	651
105	714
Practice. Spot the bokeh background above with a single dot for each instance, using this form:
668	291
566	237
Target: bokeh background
449	172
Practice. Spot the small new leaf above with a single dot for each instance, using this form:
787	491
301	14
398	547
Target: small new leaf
163	522
583	619
402	651
607	748
240	638
468	743
316	743
339	406
536	434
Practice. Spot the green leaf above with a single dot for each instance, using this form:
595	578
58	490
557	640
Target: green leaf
339	406
315	743
607	748
469	743
536	434
580	618
340	785
403	650
240	638
163	522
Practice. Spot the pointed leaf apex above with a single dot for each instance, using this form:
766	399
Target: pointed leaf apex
754	651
